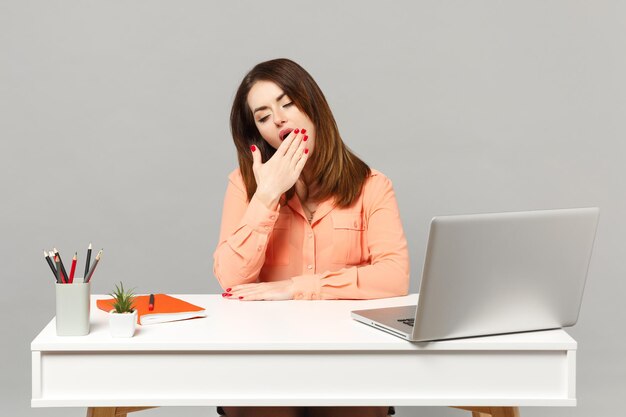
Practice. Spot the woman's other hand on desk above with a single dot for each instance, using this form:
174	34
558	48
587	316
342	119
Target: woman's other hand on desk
275	290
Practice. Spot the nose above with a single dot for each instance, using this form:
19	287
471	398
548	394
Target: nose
279	117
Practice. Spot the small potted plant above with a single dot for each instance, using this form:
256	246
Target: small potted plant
123	317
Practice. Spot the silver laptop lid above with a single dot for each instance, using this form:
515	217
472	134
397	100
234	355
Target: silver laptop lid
504	272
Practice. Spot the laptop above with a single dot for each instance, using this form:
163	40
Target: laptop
488	274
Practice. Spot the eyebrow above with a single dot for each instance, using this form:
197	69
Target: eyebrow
265	107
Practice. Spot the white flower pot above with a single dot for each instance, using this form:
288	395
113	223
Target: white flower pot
122	324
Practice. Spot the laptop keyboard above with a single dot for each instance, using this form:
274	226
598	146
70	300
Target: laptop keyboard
407	321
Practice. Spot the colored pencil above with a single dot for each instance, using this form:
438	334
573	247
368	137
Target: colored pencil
87	262
73	268
93	267
64	272
54	271
58	263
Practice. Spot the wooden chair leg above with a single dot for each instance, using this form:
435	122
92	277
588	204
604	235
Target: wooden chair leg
113	411
101	412
477	411
505	411
492	411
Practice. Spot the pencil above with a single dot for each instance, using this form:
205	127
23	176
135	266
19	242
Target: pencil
65	276
87	262
54	271
93	267
73	268
56	261
53	257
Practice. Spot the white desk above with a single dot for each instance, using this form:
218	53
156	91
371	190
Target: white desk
298	353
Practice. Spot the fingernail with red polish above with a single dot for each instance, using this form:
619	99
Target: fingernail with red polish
228	289
306	150
223	294
241	298
253	148
296	131
303	131
305	138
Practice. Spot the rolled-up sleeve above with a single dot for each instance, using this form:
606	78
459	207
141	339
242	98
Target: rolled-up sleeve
387	274
244	234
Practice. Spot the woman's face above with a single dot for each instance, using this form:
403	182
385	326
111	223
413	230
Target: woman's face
274	114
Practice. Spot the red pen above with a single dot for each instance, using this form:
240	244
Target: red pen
151	303
73	269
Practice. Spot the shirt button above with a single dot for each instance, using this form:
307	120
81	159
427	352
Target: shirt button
309	266
267	228
272	217
260	248
310	235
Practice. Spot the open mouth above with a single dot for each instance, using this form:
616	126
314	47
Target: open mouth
285	134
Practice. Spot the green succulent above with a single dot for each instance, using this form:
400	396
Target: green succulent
124	299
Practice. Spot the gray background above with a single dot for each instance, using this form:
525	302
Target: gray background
114	130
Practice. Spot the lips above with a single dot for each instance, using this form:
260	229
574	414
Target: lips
284	133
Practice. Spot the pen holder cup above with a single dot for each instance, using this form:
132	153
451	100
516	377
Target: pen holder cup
72	309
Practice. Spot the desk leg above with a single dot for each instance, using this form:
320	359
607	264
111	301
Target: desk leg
492	411
113	411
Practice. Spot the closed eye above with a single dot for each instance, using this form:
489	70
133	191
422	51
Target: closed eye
263	119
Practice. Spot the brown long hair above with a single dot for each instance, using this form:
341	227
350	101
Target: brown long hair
338	172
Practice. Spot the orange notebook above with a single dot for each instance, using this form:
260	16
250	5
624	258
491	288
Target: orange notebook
166	308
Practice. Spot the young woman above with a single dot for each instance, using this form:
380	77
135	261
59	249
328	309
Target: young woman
303	218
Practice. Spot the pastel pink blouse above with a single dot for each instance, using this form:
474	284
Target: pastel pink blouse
358	252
